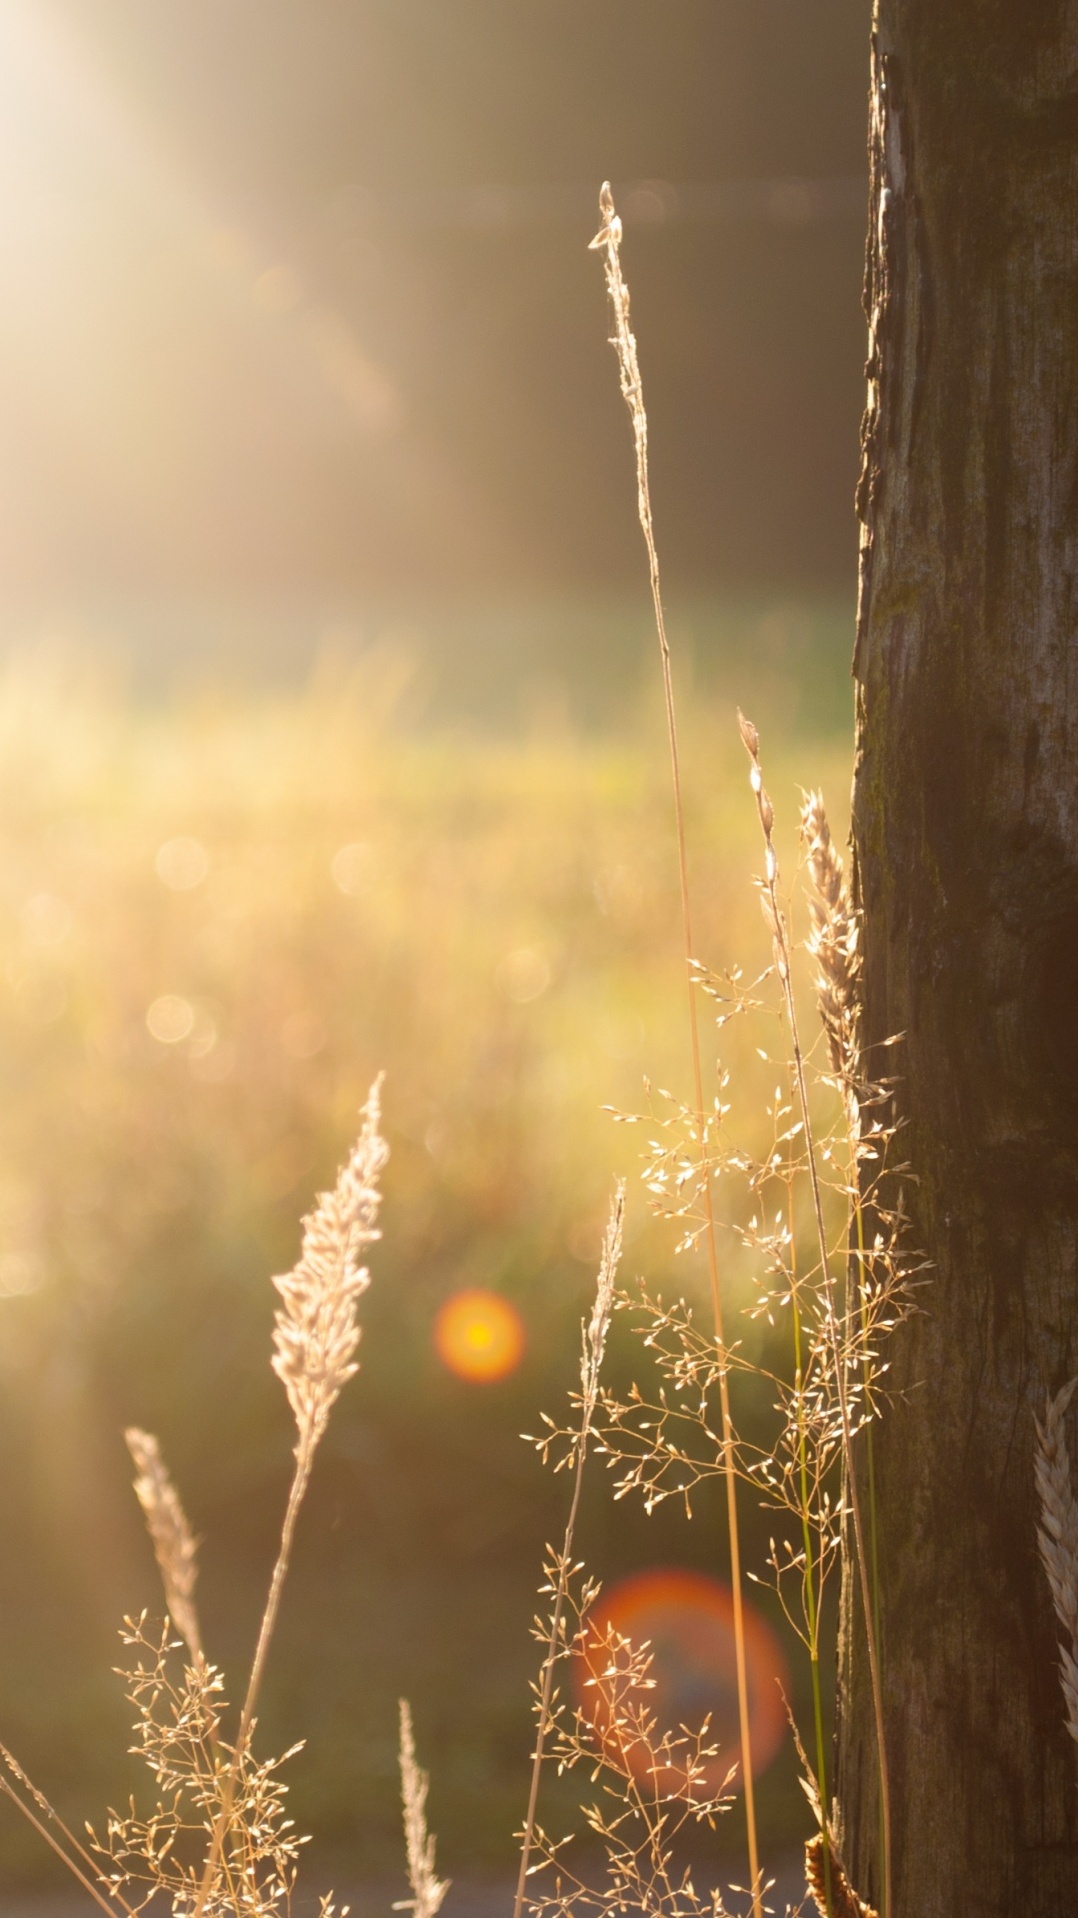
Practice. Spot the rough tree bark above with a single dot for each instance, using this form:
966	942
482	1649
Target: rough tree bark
966	857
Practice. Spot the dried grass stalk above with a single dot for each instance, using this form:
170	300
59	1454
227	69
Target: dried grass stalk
827	1881
175	1547
607	242
428	1890
1057	1537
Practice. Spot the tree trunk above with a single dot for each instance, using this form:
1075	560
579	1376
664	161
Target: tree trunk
966	859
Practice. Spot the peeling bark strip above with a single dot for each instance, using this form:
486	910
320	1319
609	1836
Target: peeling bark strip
966	848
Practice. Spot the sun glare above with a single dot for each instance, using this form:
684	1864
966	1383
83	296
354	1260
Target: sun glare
687	1622
479	1336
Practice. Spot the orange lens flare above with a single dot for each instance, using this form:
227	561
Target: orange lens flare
479	1336
688	1623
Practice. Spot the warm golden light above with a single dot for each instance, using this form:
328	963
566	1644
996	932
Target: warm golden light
479	1336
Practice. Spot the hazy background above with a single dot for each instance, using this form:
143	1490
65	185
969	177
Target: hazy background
298	328
318	553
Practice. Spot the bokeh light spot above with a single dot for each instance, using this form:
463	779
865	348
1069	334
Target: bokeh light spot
19	1275
182	863
524	975
303	1034
170	1019
688	1622
46	920
350	867
278	289
479	1336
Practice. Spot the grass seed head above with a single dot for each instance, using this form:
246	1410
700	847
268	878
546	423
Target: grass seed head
175	1548
315	1330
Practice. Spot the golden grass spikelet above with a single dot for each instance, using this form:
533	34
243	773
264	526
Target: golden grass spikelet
834	941
174	1545
428	1890
315	1331
844	1902
1057	1537
594	1341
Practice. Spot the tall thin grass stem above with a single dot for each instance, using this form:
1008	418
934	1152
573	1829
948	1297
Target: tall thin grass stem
55	1845
608	242
806	1540
870	1461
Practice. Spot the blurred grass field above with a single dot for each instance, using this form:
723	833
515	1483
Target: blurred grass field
220	916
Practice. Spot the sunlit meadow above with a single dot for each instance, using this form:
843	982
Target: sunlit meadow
219	918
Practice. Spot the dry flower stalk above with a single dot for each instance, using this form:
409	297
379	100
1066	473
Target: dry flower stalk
428	1890
174	1545
1057	1537
608	242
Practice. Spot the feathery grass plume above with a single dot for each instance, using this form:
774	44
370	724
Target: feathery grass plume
315	1331
1057	1537
559	1569
315	1336
608	242
834	941
828	1883
428	1890
175	1548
